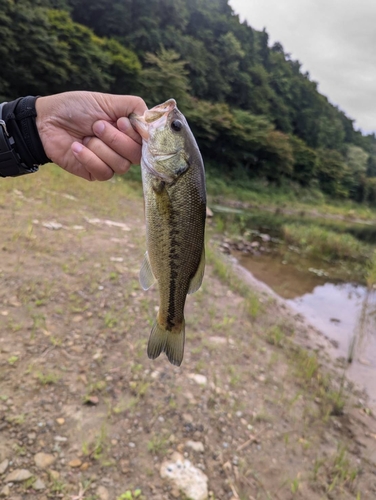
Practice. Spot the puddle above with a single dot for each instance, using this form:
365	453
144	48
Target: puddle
323	293
344	312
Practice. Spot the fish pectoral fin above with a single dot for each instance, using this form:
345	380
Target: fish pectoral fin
198	277
147	278
172	343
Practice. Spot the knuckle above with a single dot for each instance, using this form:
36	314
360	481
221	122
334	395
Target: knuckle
139	103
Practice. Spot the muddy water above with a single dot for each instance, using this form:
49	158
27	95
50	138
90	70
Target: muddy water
345	312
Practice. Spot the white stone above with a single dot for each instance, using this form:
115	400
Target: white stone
18	475
199	379
5	492
185	477
196	446
44	460
4	465
52	225
39	485
103	493
218	340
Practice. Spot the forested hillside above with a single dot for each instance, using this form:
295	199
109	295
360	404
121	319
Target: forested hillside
252	109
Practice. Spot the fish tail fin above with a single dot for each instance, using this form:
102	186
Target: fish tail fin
172	343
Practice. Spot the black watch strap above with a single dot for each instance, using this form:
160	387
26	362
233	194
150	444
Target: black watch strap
10	162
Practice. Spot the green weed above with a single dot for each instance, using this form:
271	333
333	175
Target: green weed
130	495
157	445
319	242
275	336
47	378
12	360
295	486
99	446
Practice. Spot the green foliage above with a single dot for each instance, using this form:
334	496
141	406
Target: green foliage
371	271
43	51
333	173
324	243
165	77
305	162
252	109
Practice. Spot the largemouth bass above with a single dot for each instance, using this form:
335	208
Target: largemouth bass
173	181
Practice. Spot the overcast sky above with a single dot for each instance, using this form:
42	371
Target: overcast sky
335	40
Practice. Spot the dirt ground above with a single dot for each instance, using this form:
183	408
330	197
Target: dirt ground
84	414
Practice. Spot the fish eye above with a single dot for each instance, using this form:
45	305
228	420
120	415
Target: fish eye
176	125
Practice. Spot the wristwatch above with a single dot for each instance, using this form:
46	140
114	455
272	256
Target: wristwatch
11	163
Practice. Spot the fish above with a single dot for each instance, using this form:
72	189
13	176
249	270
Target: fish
173	179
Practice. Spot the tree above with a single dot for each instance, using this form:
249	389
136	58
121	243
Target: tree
165	77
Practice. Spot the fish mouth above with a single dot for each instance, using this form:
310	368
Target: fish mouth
153	118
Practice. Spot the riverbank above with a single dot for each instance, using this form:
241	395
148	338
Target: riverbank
84	410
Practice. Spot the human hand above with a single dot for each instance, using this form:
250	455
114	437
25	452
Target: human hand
88	133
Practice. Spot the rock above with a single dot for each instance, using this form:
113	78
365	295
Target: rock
52	225
54	474
18	475
60	421
5	491
76	462
4	465
265	237
124	466
60	439
92	400
185	477
218	340
196	446
103	493
199	379
44	460
39	485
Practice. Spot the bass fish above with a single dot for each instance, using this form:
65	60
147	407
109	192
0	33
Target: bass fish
173	180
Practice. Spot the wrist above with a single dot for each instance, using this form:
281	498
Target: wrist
21	139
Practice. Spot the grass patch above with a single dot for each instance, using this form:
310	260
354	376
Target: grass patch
47	378
158	445
222	269
371	271
336	472
318	242
308	373
261	193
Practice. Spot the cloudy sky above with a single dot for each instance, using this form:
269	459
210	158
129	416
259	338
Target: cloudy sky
335	40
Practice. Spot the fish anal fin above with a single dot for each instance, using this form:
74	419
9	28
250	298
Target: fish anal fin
147	278
198	277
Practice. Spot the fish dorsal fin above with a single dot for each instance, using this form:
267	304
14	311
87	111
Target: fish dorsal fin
147	278
197	278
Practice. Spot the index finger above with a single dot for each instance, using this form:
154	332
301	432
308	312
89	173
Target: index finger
121	105
136	105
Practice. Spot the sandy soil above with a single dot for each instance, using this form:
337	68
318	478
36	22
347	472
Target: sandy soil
86	415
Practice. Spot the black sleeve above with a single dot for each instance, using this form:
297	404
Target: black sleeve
20	120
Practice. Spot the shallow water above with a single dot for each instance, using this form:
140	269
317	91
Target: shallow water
344	312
